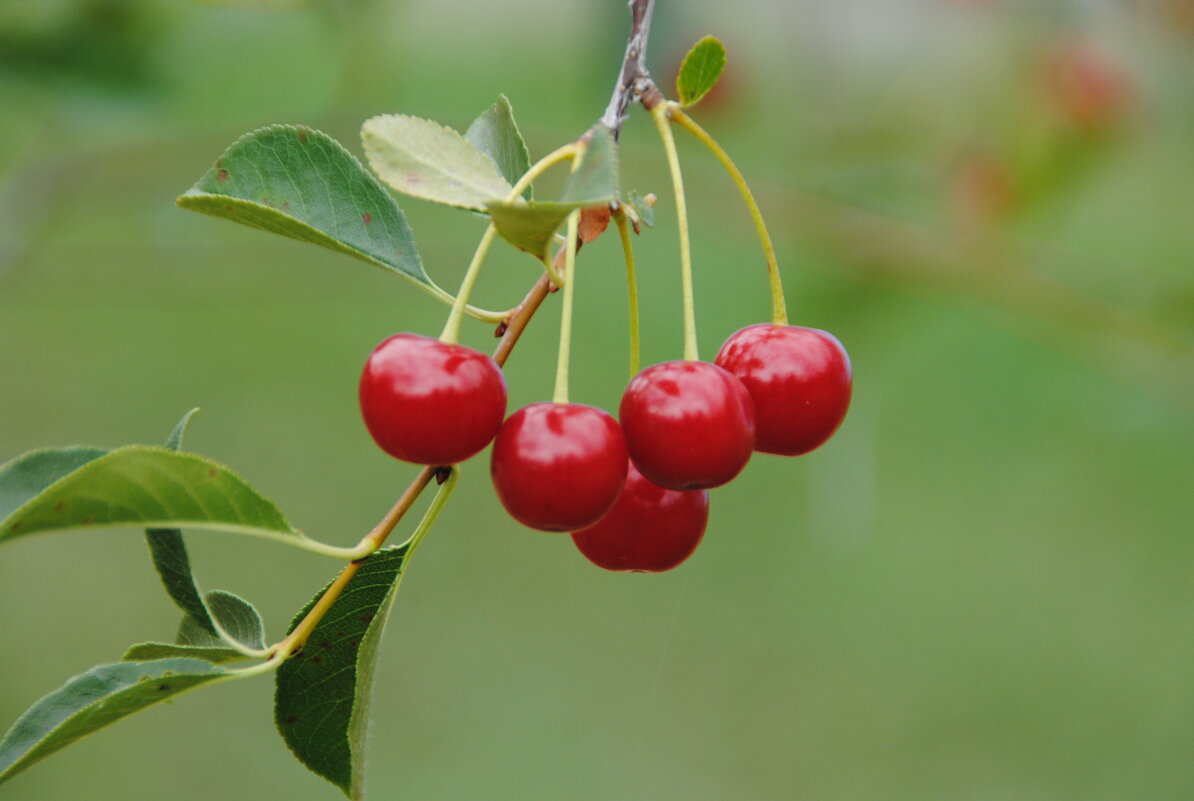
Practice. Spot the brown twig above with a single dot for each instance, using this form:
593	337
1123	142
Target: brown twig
634	79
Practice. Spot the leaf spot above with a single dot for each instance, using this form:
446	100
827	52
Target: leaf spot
367	217
58	507
366	618
85	521
302	135
222	176
265	200
317	659
15	526
163	687
325	645
291	720
211	472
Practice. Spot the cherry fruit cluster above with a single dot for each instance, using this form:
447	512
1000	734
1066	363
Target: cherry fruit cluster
634	495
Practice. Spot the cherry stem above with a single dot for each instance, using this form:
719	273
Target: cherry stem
451	331
660	114
631	287
779	309
297	638
561	392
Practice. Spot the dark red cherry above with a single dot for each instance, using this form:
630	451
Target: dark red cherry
799	379
558	466
649	530
688	424
430	402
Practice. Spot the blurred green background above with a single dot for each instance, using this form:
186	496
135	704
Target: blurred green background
980	589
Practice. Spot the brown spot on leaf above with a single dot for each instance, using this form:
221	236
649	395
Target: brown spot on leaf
367	217
291	720
285	204
222	176
317	659
212	472
302	135
265	200
325	644
15	527
58	507
163	687
366	618
87	520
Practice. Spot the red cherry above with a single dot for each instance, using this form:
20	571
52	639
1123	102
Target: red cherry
689	425
649	530
799	379
430	402
558	466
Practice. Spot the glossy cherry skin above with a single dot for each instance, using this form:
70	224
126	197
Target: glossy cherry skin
689	425
429	402
650	529
558	466
799	379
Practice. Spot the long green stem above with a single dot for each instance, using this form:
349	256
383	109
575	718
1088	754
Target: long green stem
451	331
660	116
561	393
631	287
779	309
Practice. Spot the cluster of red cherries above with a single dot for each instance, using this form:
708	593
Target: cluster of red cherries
635	495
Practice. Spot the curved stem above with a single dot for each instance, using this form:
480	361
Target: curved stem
432	513
779	310
660	114
631	287
451	332
477	313
561	392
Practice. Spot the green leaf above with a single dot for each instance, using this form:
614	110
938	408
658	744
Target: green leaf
323	693
427	160
191	633
142	486
641	208
595	179
303	184
28	475
496	134
700	70
237	618
169	553
101	696
529	226
149	651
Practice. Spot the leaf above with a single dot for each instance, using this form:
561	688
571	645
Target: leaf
595	179
191	633
323	693
28	475
169	554
529	226
427	160
142	486
643	211
303	184
237	618
101	696
149	651
700	70
496	134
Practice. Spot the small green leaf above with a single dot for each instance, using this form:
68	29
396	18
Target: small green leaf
101	696
303	184
595	179
700	70
237	618
427	160
496	134
149	651
323	693
142	486
28	475
191	633
641	208
169	553
594	182
530	226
